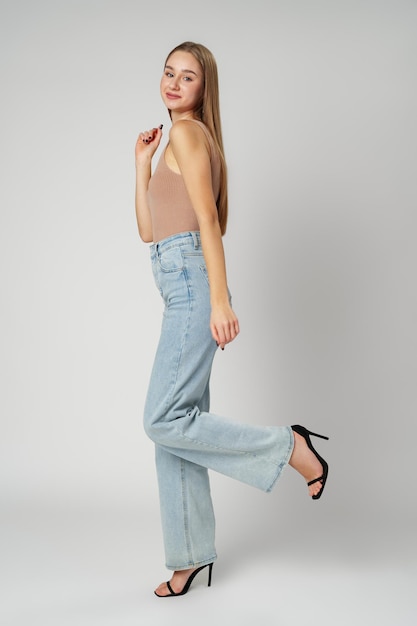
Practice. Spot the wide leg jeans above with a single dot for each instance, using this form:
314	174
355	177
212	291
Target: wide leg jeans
189	440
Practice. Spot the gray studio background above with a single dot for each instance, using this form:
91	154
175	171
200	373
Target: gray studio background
318	107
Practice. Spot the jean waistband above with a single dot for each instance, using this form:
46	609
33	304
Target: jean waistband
179	239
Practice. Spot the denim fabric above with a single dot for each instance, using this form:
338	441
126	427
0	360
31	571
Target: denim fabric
188	439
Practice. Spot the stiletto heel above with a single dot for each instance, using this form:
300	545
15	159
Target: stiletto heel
188	582
306	434
209	576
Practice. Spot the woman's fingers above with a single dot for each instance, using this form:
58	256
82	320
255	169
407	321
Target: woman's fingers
224	332
149	137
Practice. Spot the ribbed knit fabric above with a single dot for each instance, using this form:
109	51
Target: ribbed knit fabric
168	199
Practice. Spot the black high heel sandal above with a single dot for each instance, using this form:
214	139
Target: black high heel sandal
187	583
306	434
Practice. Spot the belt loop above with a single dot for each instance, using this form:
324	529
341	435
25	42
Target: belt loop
195	240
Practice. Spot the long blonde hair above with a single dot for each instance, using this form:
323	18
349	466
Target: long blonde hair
208	111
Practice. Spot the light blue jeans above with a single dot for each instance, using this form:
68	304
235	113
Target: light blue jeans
188	439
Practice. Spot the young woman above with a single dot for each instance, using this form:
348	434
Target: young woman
182	209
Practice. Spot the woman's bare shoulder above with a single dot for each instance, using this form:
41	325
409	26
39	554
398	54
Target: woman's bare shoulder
188	132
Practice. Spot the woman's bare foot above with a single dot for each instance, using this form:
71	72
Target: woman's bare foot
177	582
306	463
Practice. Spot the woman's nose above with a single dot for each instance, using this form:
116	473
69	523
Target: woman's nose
173	83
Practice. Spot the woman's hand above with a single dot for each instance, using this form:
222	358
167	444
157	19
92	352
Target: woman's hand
147	143
224	324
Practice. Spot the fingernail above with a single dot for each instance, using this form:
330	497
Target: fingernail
161	127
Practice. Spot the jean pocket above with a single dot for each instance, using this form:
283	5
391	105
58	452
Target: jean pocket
203	269
171	260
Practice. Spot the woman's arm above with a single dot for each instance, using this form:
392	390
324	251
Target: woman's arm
191	151
146	146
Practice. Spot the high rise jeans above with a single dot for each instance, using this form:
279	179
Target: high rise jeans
188	439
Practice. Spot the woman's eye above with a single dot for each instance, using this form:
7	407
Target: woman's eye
169	74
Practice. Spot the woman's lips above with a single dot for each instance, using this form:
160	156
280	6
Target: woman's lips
172	96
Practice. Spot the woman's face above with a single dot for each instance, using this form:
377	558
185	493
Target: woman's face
182	83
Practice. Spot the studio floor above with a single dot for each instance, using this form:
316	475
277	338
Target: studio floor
83	566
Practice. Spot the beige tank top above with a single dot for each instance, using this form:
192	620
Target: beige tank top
168	199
